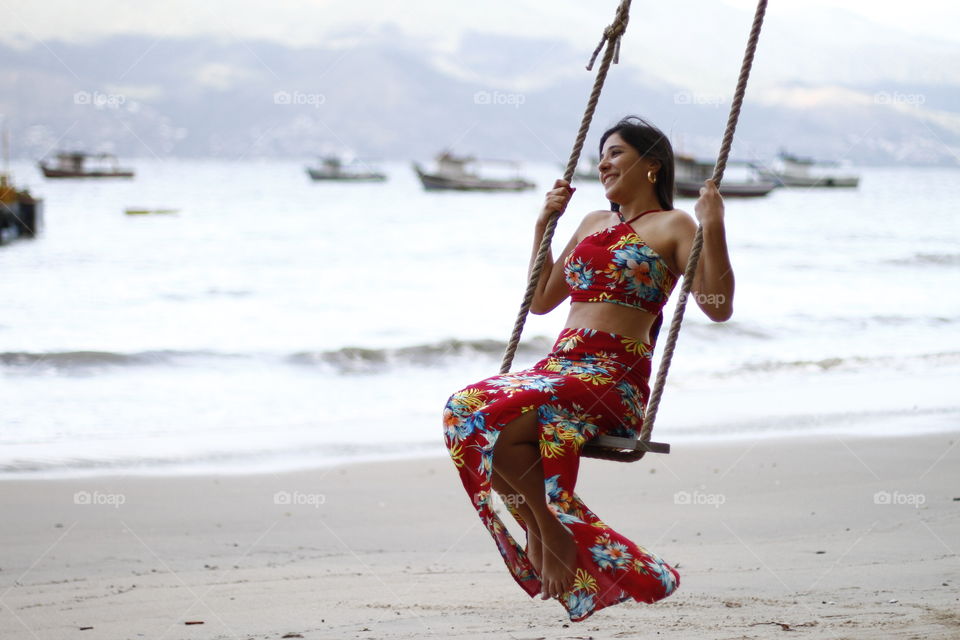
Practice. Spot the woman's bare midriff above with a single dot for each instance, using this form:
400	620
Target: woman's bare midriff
612	318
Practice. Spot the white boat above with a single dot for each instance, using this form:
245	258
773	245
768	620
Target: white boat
77	164
793	171
335	168
459	173
689	175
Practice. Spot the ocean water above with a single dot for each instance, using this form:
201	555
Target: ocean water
276	323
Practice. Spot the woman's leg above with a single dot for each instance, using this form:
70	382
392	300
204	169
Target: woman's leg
517	503
516	459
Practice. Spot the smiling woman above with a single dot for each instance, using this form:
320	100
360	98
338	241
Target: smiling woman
521	434
656	149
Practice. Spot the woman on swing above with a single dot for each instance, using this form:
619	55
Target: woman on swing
521	433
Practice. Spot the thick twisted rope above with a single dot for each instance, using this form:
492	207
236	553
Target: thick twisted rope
694	259
611	37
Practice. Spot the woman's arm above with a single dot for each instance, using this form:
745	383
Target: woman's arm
551	287
713	282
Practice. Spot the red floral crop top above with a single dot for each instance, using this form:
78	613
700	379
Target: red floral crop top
616	265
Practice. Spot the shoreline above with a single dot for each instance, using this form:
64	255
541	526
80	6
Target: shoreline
695	412
834	537
243	466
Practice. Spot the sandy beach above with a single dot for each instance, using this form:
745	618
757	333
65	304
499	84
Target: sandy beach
829	538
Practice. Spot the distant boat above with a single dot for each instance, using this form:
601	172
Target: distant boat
456	173
690	174
21	215
335	169
588	171
794	171
78	164
147	212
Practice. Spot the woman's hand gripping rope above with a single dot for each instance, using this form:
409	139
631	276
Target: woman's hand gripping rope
556	201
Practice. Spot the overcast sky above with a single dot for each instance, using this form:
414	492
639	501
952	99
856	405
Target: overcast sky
304	20
687	41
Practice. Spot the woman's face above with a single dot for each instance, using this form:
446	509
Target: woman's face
623	171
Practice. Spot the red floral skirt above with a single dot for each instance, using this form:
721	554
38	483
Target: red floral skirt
591	383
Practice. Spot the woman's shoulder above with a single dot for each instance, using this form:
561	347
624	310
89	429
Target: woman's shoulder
678	220
593	222
599	215
596	220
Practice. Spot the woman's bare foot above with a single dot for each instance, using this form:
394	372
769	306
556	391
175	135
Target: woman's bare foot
559	560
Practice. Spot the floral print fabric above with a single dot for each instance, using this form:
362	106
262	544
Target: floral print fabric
591	383
616	265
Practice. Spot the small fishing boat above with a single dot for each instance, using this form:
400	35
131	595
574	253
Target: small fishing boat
333	168
459	173
690	174
794	171
147	212
78	164
21	215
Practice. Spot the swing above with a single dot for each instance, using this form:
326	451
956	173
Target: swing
614	447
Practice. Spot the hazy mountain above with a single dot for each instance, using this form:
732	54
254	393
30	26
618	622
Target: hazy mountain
388	97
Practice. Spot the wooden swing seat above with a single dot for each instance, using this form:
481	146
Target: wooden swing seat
619	443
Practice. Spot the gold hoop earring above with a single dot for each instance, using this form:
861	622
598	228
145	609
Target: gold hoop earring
652	176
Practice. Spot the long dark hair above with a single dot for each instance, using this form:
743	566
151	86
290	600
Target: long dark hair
650	143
